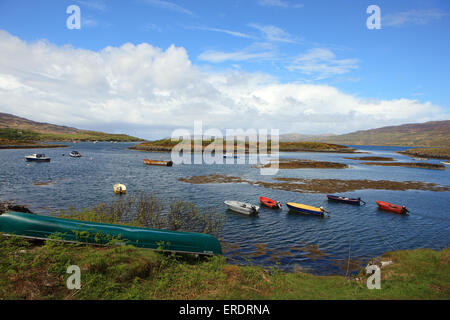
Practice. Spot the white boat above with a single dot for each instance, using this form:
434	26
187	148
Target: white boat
446	163
75	154
120	188
38	157
242	207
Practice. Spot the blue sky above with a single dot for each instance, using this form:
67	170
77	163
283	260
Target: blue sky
286	45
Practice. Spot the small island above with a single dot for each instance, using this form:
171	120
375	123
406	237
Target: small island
371	158
305	164
166	145
434	153
420	165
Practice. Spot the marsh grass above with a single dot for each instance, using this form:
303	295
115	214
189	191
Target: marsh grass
147	211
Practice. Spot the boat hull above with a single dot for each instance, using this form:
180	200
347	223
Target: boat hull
43	227
304	209
37	159
386	206
158	163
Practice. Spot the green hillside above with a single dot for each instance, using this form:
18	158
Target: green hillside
428	134
17	130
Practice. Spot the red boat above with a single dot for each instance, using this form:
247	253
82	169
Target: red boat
392	207
270	203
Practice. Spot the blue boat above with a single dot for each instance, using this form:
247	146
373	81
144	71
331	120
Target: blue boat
305	209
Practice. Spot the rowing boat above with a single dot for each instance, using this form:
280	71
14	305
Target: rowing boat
158	163
270	203
43	227
303	208
347	200
386	206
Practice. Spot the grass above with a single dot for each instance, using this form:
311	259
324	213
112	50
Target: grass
28	271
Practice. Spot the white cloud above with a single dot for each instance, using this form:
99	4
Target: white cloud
98	5
230	32
169	6
274	34
412	17
322	63
279	3
147	91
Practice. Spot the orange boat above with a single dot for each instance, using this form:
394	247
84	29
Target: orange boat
270	203
392	207
158	163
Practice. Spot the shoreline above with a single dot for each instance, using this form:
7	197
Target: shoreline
146	274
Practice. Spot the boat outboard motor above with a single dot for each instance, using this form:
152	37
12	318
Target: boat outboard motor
253	210
279	205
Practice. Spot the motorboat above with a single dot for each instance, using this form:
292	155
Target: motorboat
242	207
38	157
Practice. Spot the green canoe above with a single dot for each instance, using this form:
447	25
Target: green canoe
42	227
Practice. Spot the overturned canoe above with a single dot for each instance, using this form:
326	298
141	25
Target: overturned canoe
158	163
42	227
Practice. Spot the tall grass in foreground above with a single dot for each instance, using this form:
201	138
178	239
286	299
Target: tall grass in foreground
147	211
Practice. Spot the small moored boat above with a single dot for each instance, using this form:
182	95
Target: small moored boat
342	199
120	188
446	163
303	208
38	157
43	227
270	203
386	206
75	154
242	207
230	155
158	163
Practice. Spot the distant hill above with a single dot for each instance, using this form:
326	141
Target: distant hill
428	134
297	137
16	128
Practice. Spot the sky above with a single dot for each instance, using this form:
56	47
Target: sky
149	67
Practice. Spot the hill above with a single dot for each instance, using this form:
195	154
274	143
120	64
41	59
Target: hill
428	134
16	130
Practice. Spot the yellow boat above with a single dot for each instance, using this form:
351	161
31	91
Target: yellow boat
303	208
120	188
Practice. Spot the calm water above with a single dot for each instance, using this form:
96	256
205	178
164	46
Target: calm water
274	236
